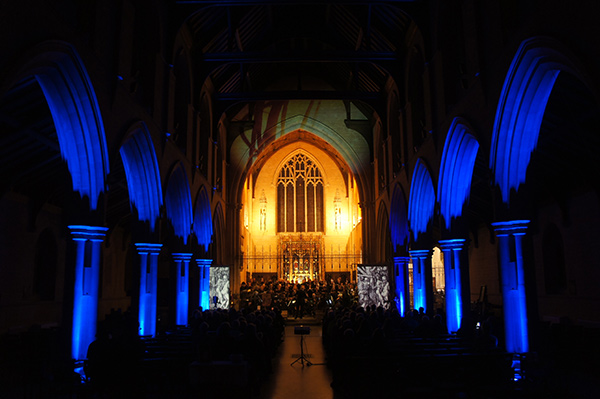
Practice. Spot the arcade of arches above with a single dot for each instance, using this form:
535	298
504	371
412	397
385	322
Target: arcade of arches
148	147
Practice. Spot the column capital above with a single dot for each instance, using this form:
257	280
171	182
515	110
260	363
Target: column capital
401	259
514	227
148	248
182	256
454	243
203	262
94	233
420	253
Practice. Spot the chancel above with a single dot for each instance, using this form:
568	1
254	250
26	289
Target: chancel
346	198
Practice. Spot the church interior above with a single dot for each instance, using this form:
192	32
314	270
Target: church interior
161	159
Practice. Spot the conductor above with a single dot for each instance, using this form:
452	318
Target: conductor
300	301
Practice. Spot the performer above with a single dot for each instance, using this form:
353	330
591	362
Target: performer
300	301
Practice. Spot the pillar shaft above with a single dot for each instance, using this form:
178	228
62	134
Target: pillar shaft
204	265
182	264
513	283
148	287
85	297
453	274
401	280
422	281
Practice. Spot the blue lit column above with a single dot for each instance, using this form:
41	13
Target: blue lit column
148	287
513	283
182	265
85	298
421	261
453	284
204	265
401	276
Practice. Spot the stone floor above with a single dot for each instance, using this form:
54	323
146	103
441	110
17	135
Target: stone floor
295	378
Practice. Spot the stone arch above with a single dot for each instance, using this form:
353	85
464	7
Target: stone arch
422	200
178	202
399	221
203	226
142	174
527	87
383	231
456	170
63	78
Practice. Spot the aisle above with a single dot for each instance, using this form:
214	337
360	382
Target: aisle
297	381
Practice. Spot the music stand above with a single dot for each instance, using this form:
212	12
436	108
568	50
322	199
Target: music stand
302	331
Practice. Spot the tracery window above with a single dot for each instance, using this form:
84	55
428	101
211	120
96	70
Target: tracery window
300	196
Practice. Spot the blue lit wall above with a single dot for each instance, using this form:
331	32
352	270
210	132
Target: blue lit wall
456	170
88	241
523	100
178	201
203	220
76	115
143	178
422	199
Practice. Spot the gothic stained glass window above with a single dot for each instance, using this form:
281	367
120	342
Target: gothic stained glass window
300	196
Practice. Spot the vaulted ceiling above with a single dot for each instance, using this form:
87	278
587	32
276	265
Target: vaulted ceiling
312	49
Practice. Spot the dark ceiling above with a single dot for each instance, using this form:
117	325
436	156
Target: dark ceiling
313	49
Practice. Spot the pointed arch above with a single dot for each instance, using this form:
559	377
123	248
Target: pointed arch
142	174
383	229
178	202
72	101
422	199
399	220
456	170
527	87
203	226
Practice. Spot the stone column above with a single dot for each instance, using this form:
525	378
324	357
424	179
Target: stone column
85	297
204	265
401	280
453	274
182	265
422	280
148	287
510	250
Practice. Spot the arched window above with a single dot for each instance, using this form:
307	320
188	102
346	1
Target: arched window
300	196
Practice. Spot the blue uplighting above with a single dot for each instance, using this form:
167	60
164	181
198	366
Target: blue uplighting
182	261
178	203
148	253
419	258
77	119
85	296
523	100
401	277
456	171
513	284
143	178
204	265
453	283
422	199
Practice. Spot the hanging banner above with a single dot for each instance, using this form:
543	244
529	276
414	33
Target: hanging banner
219	287
373	286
